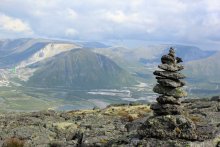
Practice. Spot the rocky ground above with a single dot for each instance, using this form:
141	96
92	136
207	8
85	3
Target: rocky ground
115	125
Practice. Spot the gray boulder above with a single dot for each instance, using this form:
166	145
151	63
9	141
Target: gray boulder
169	127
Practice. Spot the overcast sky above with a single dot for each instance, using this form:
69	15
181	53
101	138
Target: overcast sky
169	21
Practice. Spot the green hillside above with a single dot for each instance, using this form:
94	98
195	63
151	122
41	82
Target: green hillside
80	69
205	69
203	75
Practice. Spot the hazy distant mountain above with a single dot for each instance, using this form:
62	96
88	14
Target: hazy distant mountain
93	45
152	53
79	69
190	53
12	52
132	54
207	69
57	63
34	72
187	53
49	50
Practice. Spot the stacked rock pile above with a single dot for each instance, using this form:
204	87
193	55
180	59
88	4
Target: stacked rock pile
169	85
168	121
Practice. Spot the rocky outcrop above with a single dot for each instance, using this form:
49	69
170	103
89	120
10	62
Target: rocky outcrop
68	129
170	127
115	125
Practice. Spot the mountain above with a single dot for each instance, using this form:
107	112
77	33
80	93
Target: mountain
92	45
79	69
207	69
132	54
191	53
49	50
187	53
144	60
151	54
89	72
14	51
31	60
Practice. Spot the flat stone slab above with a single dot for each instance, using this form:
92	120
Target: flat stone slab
169	75
171	83
175	92
168	67
168	100
166	109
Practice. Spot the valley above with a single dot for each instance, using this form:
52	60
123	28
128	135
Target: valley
33	98
38	74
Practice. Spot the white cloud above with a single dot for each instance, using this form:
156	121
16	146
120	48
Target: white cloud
117	16
70	32
14	25
145	23
71	14
172	20
212	5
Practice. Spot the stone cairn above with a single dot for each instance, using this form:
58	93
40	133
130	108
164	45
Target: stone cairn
169	85
168	121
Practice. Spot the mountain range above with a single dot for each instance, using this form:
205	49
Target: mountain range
93	59
49	63
83	71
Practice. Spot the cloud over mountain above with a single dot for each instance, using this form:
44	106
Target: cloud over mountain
191	22
13	25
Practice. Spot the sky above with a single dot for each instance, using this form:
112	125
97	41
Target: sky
194	22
